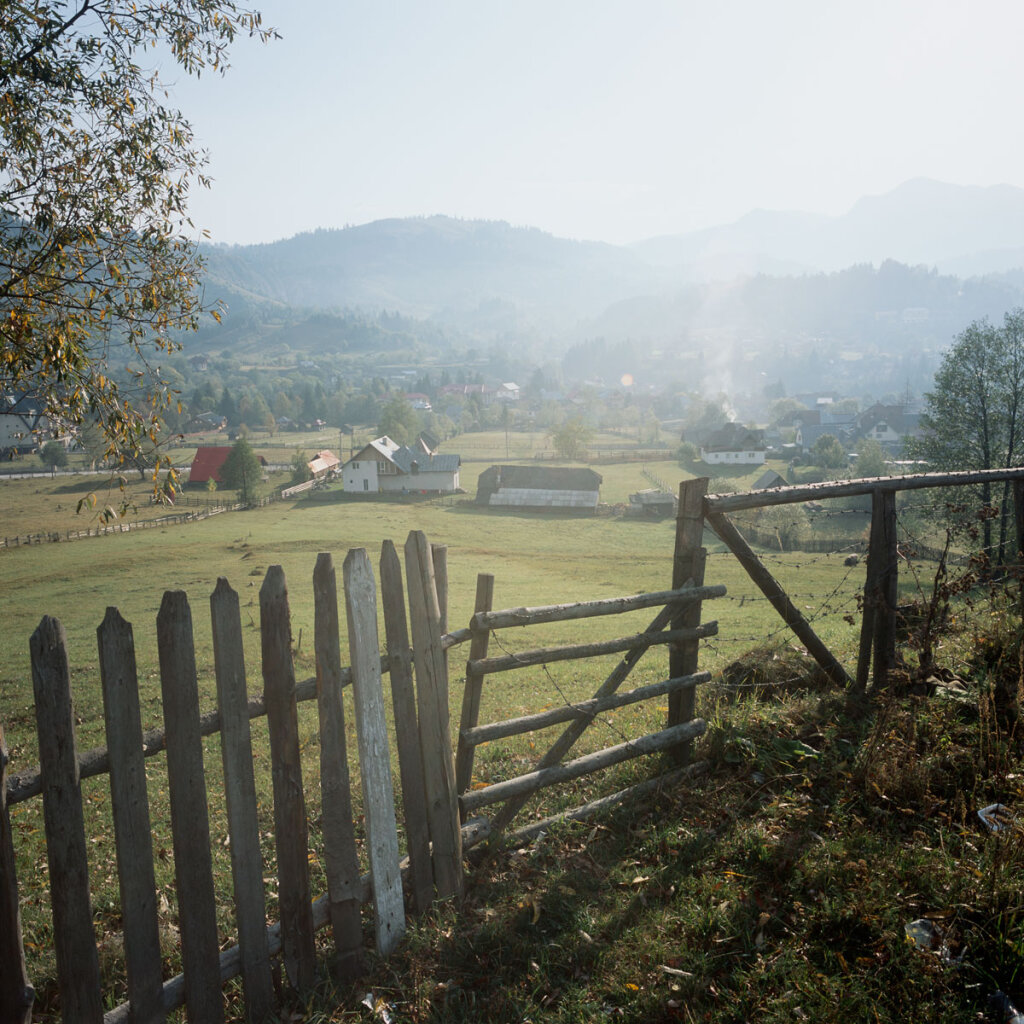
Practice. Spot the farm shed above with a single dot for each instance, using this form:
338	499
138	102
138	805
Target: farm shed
537	487
652	503
208	461
384	465
323	464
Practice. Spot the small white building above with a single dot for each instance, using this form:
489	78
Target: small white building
734	445
384	465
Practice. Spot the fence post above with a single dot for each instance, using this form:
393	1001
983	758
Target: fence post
374	756
403	700
240	797
1018	517
878	629
130	807
474	686
687	567
16	993
290	829
190	823
341	859
432	697
78	969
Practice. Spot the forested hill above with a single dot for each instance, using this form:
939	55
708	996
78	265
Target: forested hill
437	266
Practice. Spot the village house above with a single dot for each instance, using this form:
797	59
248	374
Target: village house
567	488
734	445
889	425
23	427
386	466
208	462
324	464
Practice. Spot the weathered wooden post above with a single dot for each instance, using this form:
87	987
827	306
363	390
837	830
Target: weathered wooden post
130	806
290	828
432	698
687	568
374	755
240	795
78	970
878	628
340	855
407	734
470	717
16	993
1018	517
190	823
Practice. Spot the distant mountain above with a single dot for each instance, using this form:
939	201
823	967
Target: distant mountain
957	228
437	266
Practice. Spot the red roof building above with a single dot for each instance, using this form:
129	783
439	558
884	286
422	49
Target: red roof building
208	462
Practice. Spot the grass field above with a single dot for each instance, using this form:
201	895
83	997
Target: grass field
774	888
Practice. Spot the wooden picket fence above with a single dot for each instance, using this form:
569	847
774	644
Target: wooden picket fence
435	783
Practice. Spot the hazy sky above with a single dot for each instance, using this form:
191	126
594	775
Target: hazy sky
602	119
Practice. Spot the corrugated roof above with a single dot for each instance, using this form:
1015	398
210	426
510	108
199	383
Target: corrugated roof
207	464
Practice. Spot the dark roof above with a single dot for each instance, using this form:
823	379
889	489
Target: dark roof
404	458
734	437
541	478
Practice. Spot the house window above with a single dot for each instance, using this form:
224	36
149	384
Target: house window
355	465
366	485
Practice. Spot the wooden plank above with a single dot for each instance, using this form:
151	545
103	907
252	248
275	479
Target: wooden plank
546	655
435	740
439	560
290	828
78	971
778	598
341	858
403	701
374	754
575	729
585	710
133	836
16	992
872	580
883	507
470	716
591	609
687	570
186	783
848	488
240	796
523	785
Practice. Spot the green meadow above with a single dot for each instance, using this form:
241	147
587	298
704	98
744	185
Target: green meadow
772	886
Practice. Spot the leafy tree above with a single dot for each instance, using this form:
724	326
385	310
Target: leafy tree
95	171
782	409
974	416
54	456
399	420
871	459
242	472
570	438
300	468
828	453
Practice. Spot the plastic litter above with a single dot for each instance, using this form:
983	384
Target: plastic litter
996	817
922	933
1003	1010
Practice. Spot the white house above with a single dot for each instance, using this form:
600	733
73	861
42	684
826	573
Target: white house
384	465
507	392
734	445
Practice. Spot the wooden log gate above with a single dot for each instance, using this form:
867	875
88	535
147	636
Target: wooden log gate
435	781
877	649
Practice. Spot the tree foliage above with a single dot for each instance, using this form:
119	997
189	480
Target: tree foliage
97	269
570	438
399	420
828	453
242	472
53	455
974	415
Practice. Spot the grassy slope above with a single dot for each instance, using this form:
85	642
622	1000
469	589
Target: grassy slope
777	884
